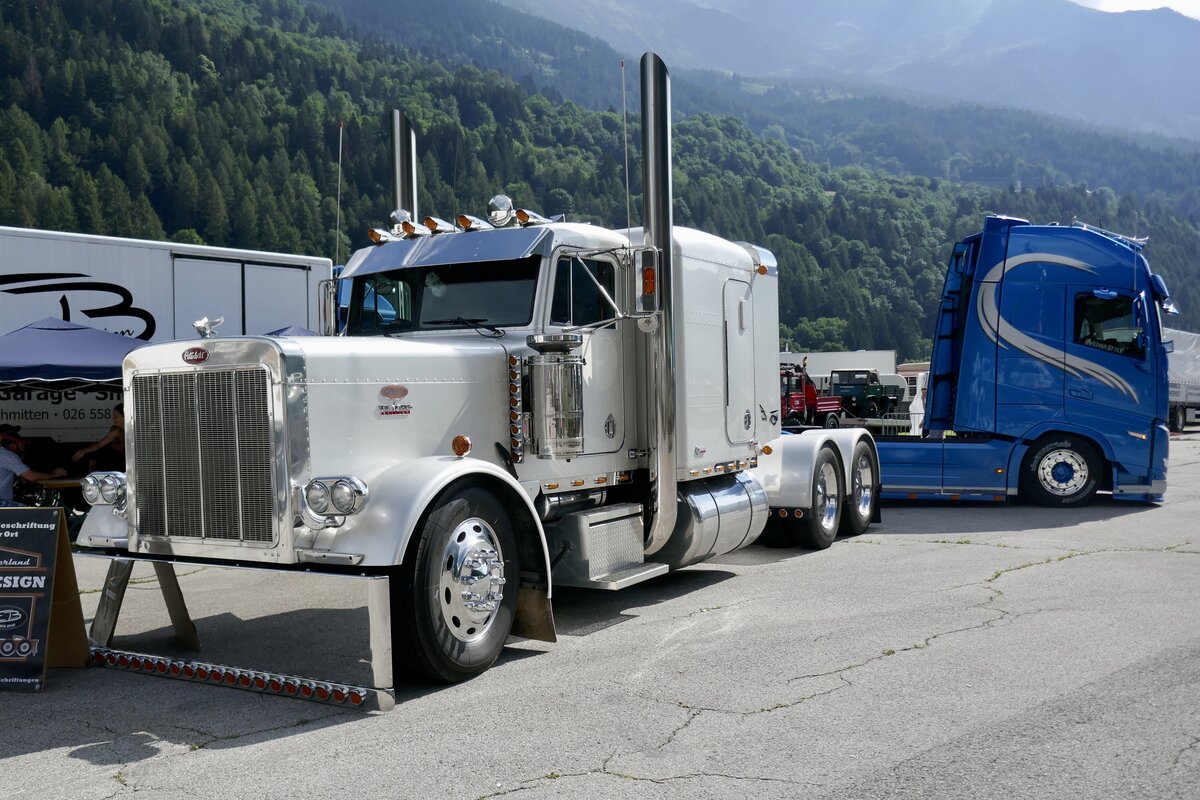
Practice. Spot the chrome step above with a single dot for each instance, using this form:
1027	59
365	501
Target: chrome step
619	579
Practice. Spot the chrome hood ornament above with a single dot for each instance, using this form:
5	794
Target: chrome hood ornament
207	329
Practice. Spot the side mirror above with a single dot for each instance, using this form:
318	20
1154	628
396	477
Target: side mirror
958	258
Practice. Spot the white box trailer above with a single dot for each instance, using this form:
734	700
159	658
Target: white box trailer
1183	370
145	289
153	290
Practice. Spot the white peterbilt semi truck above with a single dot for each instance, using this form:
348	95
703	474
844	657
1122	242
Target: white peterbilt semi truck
514	404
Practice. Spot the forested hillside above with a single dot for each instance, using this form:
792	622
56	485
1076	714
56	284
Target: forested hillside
219	122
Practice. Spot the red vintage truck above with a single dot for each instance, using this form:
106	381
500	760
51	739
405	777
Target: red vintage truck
800	404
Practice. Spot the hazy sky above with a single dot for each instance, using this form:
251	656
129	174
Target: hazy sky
1189	7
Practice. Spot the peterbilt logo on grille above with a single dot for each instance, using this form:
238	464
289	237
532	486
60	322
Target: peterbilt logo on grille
195	355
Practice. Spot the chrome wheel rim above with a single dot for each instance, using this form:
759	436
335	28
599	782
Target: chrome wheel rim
471	580
826	505
1062	472
862	490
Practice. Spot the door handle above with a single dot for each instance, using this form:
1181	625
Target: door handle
1082	394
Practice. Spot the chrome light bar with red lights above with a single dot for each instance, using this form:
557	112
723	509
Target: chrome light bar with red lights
336	694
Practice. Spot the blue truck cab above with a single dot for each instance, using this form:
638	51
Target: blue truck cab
1048	376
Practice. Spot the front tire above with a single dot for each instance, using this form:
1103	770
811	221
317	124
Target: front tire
832	420
819	527
872	410
862	497
451	608
1061	471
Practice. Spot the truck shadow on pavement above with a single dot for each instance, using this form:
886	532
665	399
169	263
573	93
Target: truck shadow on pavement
580	612
933	517
109	717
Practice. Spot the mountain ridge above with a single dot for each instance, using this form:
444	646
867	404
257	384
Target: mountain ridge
948	52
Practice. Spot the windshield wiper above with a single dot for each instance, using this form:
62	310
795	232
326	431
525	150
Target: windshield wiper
474	322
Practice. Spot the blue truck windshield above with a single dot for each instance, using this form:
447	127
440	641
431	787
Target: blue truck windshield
493	294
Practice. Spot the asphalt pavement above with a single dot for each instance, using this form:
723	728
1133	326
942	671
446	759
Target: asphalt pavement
973	651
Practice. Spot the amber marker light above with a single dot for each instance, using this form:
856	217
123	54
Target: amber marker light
767	450
461	445
648	280
761	270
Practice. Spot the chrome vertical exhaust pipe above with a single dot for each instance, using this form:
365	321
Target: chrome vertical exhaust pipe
404	164
657	199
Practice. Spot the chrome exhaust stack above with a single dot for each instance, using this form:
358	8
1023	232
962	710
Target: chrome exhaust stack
404	165
661	363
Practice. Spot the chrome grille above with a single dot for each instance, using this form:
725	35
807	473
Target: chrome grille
202	454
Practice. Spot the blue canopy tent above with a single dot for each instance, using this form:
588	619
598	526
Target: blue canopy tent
54	350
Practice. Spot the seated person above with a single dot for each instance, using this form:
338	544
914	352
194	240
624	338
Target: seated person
12	465
108	454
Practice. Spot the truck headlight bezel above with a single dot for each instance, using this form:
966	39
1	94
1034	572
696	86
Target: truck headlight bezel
104	489
336	496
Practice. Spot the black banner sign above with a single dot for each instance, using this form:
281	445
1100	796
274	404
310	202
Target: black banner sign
30	539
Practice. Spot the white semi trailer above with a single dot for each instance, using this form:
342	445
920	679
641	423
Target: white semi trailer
145	289
1183	374
515	404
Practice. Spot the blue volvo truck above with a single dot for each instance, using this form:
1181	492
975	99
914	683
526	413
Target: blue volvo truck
1048	376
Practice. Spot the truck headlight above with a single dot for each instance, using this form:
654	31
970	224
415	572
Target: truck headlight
339	496
348	496
316	494
104	489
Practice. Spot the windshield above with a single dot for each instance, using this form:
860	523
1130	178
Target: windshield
471	295
851	378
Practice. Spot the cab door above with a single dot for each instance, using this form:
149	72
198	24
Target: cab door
740	418
1110	374
580	286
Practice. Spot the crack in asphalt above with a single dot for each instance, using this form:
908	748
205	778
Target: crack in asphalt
1179	756
555	776
1174	548
231	737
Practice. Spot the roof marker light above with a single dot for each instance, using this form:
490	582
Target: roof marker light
469	223
412	230
526	217
437	225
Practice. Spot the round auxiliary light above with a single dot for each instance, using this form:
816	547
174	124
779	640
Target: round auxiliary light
90	487
500	211
316	494
461	445
344	497
110	489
